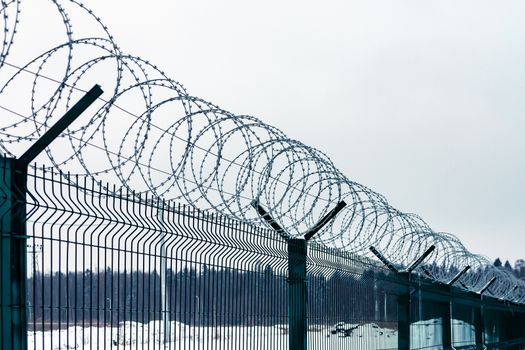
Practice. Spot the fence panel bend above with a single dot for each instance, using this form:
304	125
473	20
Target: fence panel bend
114	269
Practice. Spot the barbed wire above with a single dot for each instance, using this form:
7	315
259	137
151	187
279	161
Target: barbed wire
156	138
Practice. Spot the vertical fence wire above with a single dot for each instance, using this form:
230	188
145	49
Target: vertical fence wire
111	269
134	272
352	302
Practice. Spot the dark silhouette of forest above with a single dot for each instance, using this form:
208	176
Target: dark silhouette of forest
518	271
207	297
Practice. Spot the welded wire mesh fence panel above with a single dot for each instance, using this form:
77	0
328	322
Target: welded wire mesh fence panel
352	302
492	327
122	270
463	324
114	269
427	323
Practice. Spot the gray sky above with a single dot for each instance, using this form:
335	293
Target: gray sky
421	101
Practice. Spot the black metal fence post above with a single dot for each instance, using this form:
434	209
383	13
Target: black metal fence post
14	257
447	339
5	250
478	324
13	297
481	321
403	299
403	312
297	284
297	291
447	323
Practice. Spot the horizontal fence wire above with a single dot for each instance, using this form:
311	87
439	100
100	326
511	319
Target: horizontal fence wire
88	265
141	273
109	269
353	298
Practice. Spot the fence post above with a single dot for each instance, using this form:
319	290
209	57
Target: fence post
403	299
14	257
447	324
297	293
479	325
482	306
447	318
297	287
403	312
13	269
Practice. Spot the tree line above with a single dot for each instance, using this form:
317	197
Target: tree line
518	270
203	297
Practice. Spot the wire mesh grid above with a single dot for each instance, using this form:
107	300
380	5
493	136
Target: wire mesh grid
113	269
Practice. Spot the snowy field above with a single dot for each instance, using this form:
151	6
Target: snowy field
133	335
429	334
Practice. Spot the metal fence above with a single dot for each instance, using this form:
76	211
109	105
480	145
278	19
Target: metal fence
106	269
84	265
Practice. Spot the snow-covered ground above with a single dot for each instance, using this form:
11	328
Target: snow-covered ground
429	334
133	335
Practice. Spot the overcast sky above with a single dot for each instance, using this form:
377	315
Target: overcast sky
421	101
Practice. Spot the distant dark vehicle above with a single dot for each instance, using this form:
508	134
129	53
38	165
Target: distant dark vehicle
344	329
